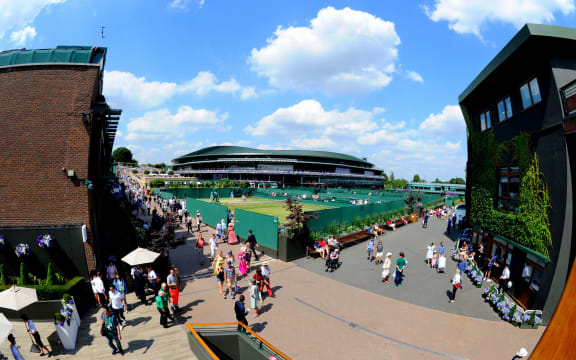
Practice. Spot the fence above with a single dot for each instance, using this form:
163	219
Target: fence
321	220
211	213
204	193
265	227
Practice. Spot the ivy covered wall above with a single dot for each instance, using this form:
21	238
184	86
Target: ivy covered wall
531	226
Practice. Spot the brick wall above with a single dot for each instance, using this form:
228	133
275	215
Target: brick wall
42	132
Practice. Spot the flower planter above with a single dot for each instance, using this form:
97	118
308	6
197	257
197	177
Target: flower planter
479	284
525	325
67	334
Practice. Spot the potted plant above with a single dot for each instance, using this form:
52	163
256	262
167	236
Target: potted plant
2	241
45	241
67	324
530	321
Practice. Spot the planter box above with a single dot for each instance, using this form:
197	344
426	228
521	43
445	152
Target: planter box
479	285
528	326
68	334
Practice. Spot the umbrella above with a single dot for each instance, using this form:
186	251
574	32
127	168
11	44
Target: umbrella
5	327
140	256
17	298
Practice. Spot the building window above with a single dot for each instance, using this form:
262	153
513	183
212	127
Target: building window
508	189
504	109
485	121
530	93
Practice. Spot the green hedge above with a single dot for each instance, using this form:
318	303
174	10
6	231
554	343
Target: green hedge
51	292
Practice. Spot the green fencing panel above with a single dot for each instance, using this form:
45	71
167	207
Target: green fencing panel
211	213
265	227
166	195
204	193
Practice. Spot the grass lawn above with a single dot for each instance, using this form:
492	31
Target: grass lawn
265	206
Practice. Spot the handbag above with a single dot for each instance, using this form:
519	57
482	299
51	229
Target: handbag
103	330
34	348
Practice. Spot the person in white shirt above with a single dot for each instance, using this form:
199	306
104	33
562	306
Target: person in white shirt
213	246
117	305
504	278
98	289
153	280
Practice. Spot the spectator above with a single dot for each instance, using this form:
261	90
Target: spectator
254	296
456	284
379	252
31	328
167	300
493	262
441	249
504	278
220	279
111	330
139	285
386	267
522	353
429	254
370	249
266	275
161	308
111	272
240	311
321	247
172	282
242	261
153	280
117	306
230	280
400	266
14	348
200	248
253	244
119	284
213	246
98	289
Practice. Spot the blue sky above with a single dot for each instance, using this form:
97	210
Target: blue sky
376	79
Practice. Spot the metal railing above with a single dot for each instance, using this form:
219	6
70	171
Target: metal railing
199	330
278	172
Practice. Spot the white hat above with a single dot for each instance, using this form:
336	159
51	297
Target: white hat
522	352
389	254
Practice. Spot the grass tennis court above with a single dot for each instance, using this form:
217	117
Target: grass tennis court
265	206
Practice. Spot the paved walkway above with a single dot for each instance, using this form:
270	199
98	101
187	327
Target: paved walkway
319	316
422	286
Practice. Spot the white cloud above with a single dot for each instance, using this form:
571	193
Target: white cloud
165	125
17	15
341	52
453	146
414	76
449	122
468	17
309	117
183	4
19	38
125	90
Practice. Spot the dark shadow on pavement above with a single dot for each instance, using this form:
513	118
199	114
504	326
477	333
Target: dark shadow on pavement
276	288
449	294
265	308
139	344
258	327
138	321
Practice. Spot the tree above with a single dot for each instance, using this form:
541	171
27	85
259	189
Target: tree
296	217
437	181
157	183
134	171
146	172
122	155
385	181
457	180
399	183
170	172
416	178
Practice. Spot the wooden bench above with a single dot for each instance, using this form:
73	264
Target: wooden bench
343	241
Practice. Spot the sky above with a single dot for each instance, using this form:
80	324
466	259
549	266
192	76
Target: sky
377	79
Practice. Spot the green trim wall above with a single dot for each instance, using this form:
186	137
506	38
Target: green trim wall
265	227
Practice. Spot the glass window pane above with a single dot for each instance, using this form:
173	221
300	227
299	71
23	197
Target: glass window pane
508	258
482	122
527	272
488	123
526	101
535	91
501	111
536	279
508	108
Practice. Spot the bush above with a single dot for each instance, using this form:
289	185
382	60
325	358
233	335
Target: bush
170	172
146	172
51	292
22	278
2	275
134	171
49	275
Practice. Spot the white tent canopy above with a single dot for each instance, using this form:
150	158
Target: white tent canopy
140	256
17	298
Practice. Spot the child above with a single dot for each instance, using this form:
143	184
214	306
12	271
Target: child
434	259
231	280
266	275
370	249
242	261
429	253
379	252
386	267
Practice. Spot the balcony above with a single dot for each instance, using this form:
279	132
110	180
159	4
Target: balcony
229	341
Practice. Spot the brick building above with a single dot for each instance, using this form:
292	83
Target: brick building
57	137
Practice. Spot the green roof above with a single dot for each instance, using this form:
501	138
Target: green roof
527	31
61	54
242	151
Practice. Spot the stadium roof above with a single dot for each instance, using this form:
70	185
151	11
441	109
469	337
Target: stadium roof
240	151
60	55
528	31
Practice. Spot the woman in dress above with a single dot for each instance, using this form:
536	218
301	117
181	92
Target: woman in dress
430	253
232	238
218	260
220	278
386	268
224	228
242	268
254	296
